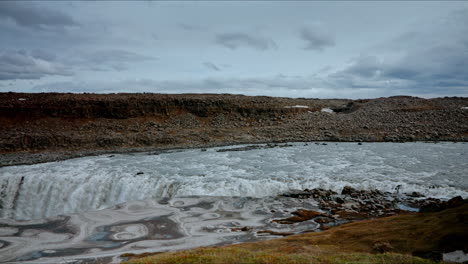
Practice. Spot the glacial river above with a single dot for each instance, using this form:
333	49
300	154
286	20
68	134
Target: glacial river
81	184
110	204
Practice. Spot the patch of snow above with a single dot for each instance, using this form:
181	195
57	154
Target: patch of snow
21	99
455	256
465	108
327	110
297	106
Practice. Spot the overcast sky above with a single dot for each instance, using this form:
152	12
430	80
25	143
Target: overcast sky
279	48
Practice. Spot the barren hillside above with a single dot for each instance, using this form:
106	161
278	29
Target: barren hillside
119	122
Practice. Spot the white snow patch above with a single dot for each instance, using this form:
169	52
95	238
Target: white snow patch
21	99
465	108
455	256
297	106
327	110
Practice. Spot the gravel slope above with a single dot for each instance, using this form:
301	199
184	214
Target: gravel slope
44	127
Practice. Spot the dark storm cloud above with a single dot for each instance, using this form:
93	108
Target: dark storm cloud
28	14
15	65
211	66
235	40
316	38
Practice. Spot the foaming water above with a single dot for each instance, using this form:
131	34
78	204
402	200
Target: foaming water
77	185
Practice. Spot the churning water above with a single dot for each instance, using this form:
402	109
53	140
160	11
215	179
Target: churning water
82	184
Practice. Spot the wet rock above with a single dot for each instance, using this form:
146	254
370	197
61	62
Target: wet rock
313	193
339	200
455	201
300	215
274	233
323	220
414	195
348	190
350	205
243	229
361	194
436	205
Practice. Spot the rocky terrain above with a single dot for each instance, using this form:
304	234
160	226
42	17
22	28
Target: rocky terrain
43	127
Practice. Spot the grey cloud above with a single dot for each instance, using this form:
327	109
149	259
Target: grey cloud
280	85
42	54
431	62
28	14
105	60
316	38
104	56
39	63
367	66
211	66
235	40
21	65
425	71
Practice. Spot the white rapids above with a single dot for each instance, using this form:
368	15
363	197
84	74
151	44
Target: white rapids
88	183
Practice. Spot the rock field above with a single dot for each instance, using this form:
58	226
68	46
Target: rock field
42	127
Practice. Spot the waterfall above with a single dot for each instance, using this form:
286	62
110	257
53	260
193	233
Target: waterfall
89	183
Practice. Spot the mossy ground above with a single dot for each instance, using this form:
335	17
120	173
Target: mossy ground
243	256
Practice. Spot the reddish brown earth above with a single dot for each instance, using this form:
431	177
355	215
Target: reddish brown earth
40	127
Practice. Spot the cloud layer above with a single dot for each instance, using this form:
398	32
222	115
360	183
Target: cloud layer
21	65
34	16
235	40
434	62
316	38
260	48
